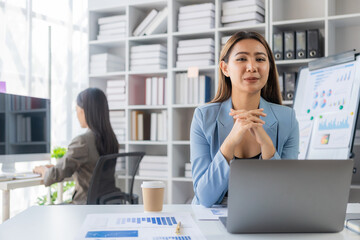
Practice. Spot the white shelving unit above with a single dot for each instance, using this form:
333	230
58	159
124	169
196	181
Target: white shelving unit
338	21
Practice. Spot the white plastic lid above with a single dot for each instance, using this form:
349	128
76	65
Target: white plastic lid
153	184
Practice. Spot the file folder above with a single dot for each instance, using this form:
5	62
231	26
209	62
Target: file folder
281	84
289	45
289	85
278	46
313	43
301	44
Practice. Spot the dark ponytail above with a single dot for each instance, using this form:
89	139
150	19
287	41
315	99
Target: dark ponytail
96	109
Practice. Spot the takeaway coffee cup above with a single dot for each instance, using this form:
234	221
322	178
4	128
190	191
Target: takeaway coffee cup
153	195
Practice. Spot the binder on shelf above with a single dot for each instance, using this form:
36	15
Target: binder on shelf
313	42
145	22
289	85
301	44
278	46
289	45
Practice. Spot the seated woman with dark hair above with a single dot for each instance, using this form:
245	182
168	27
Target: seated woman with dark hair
84	150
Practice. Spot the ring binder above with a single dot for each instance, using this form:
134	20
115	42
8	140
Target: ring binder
301	44
289	45
278	46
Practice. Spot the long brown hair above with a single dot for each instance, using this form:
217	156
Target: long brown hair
270	92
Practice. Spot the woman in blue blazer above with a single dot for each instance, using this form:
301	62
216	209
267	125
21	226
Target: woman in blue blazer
245	119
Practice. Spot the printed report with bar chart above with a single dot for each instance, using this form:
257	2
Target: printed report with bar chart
149	226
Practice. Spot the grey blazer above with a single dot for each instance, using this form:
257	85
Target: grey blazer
79	162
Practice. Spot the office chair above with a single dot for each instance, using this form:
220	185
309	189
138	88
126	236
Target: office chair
102	189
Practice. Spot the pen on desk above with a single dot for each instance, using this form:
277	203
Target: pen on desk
177	231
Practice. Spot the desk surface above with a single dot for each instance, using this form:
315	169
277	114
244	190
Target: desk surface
20	183
64	221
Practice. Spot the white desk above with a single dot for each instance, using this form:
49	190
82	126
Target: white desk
64	221
6	186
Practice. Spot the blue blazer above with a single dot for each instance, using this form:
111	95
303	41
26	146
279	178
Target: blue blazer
210	126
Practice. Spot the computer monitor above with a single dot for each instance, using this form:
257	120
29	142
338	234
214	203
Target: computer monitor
24	129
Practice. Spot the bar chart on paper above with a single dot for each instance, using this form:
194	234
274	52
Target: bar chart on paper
158	226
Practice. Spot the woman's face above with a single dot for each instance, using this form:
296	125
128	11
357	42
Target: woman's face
248	66
81	116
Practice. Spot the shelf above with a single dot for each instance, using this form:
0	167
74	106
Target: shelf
146	107
295	63
109	43
145	73
287	102
182	179
345	20
110	75
201	68
151	178
147	142
181	142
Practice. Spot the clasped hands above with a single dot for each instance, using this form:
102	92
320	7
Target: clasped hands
244	121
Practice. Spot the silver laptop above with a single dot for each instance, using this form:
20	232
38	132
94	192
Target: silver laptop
288	196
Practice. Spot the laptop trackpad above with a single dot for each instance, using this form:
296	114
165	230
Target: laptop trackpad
223	220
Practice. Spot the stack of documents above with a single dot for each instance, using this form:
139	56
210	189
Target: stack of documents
113	27
148	57
155	90
198	17
116	94
154	166
155	22
106	62
118	123
242	12
195	53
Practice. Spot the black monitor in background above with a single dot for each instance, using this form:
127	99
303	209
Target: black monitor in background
24	128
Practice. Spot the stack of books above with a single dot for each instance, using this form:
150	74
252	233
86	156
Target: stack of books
154	166
242	12
118	123
155	22
158	123
198	17
148	57
195	53
192	90
113	27
155	90
188	173
116	93
105	62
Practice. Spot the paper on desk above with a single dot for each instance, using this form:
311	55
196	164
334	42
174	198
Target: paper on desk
144	226
203	214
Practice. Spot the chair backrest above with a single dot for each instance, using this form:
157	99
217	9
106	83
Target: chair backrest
103	179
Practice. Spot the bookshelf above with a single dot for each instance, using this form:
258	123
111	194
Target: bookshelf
337	20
